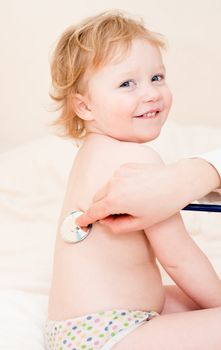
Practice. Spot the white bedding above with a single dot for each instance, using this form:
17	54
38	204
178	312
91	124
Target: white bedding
32	184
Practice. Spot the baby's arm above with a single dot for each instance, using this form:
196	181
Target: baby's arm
185	262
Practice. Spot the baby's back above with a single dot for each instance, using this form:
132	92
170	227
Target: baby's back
106	270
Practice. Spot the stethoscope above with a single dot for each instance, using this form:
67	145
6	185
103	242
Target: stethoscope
73	233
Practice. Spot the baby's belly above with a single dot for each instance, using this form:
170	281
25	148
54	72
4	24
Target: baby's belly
105	271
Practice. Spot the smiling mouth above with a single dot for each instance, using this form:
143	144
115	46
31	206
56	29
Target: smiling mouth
149	115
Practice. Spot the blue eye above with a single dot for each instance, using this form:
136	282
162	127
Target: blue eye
157	77
127	83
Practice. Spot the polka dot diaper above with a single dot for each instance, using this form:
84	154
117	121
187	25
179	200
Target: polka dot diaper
98	331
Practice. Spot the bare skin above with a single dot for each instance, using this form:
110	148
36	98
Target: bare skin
200	326
181	331
68	258
123	266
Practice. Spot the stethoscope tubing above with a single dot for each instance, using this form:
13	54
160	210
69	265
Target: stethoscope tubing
213	208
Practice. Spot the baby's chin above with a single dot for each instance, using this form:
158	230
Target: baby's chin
136	137
136	140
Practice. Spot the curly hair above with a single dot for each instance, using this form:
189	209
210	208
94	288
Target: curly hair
87	46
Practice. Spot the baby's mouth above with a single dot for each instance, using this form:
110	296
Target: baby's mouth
149	115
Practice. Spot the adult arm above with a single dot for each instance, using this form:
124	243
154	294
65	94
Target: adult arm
147	194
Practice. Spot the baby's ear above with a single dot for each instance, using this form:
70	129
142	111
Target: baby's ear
80	105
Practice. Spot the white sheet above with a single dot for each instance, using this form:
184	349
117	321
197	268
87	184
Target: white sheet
32	185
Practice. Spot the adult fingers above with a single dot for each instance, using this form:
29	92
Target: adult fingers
122	223
97	211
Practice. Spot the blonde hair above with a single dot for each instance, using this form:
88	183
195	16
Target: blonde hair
87	46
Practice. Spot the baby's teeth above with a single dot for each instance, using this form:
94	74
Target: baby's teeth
150	114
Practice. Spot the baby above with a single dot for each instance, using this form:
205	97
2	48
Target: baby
109	80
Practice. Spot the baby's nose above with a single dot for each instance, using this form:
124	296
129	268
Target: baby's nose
151	93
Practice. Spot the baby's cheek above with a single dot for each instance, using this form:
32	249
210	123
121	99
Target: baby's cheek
169	98
126	106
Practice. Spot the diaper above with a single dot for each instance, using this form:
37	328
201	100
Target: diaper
97	331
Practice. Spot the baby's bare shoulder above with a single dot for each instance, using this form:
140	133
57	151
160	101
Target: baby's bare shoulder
98	162
109	156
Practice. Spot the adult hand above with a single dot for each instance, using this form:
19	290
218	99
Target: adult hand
140	195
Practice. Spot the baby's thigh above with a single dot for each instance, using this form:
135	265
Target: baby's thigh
180	331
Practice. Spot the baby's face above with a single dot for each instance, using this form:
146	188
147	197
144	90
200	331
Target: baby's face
129	100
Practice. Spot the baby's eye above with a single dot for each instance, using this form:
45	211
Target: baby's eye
158	77
128	83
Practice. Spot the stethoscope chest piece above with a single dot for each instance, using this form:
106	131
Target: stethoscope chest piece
70	231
